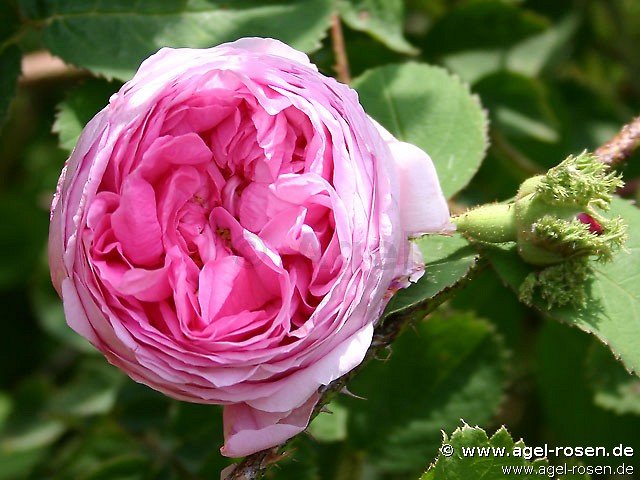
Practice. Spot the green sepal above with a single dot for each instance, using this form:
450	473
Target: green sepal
582	181
559	285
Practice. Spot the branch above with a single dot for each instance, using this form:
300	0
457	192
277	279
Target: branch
42	66
254	466
620	147
337	39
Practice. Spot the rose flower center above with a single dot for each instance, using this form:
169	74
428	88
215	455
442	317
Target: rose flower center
206	230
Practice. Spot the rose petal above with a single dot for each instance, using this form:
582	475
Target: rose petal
247	430
135	222
271	46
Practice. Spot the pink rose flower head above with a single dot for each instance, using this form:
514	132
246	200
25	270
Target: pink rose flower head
228	228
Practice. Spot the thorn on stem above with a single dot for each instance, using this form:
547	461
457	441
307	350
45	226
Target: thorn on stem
345	391
383	355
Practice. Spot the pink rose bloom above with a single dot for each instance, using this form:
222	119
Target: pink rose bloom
230	227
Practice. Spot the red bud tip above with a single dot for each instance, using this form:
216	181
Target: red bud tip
594	226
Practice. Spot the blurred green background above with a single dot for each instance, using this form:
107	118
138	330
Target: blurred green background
557	76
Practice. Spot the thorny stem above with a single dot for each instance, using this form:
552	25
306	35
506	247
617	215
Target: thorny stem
253	467
42	66
339	50
620	147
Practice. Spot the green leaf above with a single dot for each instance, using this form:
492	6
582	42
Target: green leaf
79	107
29	427
330	427
497	36
9	57
614	388
101	446
473	65
566	401
481	25
140	408
506	314
112	38
382	19
20	245
447	261
18	465
127	467
612	311
92	392
195	431
10	22
427	106
493	466
9	71
6	405
519	106
445	369
532	55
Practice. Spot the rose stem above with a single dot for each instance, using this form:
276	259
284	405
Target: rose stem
620	147
337	39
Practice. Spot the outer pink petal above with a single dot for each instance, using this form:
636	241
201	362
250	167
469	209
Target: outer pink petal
248	430
296	388
271	46
75	312
56	246
60	209
423	207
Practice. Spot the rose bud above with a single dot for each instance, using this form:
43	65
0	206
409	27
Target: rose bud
556	223
227	229
594	225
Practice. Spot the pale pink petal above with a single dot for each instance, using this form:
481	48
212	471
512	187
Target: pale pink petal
247	430
423	208
75	313
298	386
146	285
271	46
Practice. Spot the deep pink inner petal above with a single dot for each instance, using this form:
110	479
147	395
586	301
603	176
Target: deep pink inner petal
223	230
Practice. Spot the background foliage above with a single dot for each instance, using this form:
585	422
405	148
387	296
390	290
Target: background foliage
554	77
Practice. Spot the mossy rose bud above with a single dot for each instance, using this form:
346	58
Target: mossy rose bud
557	223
